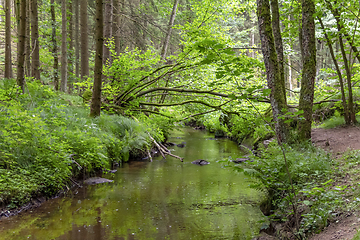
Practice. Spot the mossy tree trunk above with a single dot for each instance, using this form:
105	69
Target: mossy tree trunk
77	43
8	68
274	80
54	47
99	38
64	60
309	69
84	40
70	64
278	40
21	45
28	40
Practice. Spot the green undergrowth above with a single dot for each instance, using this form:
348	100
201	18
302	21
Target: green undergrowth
335	121
318	195
48	137
245	128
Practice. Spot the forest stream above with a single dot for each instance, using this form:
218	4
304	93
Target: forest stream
163	199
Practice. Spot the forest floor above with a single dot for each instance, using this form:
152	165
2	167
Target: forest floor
338	141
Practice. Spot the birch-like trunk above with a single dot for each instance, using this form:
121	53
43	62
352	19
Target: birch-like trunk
168	33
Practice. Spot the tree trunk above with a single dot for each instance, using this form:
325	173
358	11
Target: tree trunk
343	97
54	47
136	29
169	30
116	25
277	97
21	45
71	48
35	58
28	40
309	69
96	97
63	83
8	63
340	29
278	40
77	44
107	30
84	39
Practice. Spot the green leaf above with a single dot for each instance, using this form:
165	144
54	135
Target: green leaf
232	96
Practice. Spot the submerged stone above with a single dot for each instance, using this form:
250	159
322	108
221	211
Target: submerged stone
200	162
96	180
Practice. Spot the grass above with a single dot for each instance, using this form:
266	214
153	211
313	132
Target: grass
335	121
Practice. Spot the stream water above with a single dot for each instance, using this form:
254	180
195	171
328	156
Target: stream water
163	199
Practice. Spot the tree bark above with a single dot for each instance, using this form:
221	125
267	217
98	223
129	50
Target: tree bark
136	29
21	45
340	28
63	83
309	69
277	97
116	25
169	30
343	97
71	47
77	44
278	40
107	30
96	97
35	56
54	47
28	40
84	39
8	63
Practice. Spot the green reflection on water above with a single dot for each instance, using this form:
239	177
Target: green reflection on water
165	199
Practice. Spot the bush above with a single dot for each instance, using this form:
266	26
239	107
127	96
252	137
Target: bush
45	140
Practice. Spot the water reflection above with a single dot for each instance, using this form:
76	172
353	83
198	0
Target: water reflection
165	199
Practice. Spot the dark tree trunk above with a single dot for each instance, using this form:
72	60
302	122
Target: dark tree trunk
96	97
35	56
84	39
77	44
309	68
8	63
21	45
27	40
71	47
277	97
63	83
54	47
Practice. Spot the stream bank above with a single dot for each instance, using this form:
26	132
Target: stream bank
160	199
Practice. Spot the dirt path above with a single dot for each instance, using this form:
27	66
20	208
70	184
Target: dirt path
337	141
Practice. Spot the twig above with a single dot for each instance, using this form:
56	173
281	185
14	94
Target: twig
149	155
